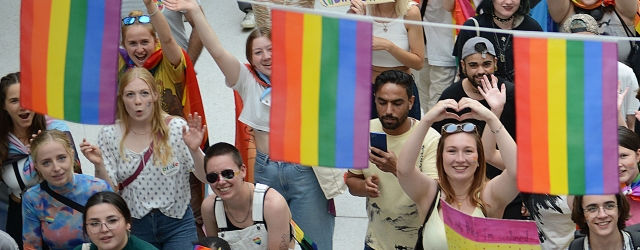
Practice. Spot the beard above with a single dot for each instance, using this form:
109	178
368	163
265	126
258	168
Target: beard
394	122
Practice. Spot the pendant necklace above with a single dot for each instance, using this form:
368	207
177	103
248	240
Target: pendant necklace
384	24
248	212
502	47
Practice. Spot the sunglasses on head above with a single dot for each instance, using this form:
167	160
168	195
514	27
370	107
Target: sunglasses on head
464	127
132	19
227	174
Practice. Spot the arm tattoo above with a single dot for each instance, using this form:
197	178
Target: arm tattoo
284	244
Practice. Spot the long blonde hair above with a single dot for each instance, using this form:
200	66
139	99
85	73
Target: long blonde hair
479	177
159	130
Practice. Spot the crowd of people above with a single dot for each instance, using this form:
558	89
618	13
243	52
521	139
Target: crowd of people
450	136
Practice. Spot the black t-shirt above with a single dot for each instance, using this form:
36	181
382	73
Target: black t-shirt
508	117
504	46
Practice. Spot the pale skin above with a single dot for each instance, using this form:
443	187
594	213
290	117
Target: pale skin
422	189
496	98
560	10
229	65
412	59
237	196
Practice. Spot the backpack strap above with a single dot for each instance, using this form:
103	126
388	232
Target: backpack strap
70	203
259	192
577	244
221	217
635	239
423	9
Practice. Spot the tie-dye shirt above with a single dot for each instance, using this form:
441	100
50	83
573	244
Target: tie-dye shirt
49	220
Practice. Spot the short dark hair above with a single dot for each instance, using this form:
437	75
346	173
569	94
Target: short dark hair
213	242
222	148
486	7
577	213
628	139
396	77
107	197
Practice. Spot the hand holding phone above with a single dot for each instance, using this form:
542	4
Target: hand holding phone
379	141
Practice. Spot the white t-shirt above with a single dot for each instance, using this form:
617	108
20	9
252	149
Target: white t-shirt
393	217
628	79
439	47
163	187
254	113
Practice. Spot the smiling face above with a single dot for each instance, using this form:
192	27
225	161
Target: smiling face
54	163
261	55
139	100
475	67
139	43
224	188
627	164
99	219
602	221
21	117
505	8
460	156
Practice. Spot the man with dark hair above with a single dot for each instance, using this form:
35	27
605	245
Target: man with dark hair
393	216
479	60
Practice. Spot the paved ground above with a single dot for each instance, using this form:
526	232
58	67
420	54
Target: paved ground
225	19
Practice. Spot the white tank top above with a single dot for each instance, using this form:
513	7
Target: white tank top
397	34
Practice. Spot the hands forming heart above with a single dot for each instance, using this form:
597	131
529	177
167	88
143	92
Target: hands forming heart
439	111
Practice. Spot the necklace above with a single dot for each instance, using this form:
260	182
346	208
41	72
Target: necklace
139	133
384	24
248	212
502	47
502	20
460	202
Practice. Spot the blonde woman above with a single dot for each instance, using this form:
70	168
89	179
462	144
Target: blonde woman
148	156
396	45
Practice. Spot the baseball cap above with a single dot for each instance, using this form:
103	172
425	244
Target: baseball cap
469	47
580	23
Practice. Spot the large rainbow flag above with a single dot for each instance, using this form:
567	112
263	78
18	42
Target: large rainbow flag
69	58
321	90
566	122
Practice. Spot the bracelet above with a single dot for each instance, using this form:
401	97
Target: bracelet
497	130
152	14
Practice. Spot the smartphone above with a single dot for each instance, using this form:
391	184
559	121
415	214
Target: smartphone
379	141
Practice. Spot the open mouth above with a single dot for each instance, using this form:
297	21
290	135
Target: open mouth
24	116
224	189
460	168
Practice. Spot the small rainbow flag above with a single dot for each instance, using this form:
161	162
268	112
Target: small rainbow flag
69	58
566	122
321	90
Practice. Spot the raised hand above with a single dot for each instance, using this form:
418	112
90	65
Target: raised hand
371	186
478	111
495	97
621	94
194	135
181	5
91	152
439	111
358	7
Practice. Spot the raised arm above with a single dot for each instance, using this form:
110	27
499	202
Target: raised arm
94	155
228	64
501	190
195	44
420	187
496	98
170	48
193	138
560	10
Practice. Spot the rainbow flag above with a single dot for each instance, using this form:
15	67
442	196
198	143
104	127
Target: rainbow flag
567	116
321	82
462	11
69	58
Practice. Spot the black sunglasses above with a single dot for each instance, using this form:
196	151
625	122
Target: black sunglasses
452	128
227	174
132	19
